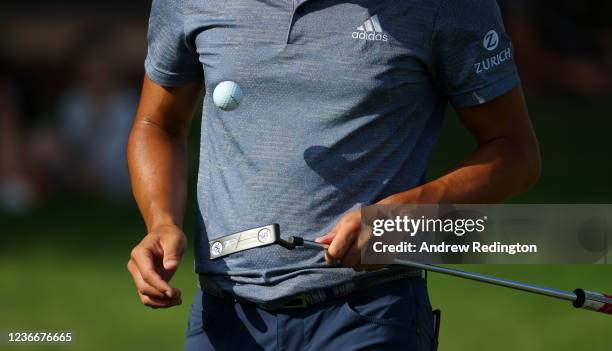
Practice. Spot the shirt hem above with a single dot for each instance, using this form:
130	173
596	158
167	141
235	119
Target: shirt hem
486	93
169	79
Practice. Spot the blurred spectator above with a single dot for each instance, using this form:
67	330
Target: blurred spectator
15	191
68	129
563	45
96	114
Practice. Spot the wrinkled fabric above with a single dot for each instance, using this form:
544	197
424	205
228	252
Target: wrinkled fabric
343	103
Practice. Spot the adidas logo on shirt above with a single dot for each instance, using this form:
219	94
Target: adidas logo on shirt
370	30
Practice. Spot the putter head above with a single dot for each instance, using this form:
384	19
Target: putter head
245	240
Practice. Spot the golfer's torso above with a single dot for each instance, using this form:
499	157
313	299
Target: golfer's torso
339	110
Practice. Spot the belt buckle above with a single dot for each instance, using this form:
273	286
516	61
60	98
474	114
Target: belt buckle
298	301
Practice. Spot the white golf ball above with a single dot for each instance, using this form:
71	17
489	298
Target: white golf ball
227	95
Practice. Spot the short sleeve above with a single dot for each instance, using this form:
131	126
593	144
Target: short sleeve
473	55
170	60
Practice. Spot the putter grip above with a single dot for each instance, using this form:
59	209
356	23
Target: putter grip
593	301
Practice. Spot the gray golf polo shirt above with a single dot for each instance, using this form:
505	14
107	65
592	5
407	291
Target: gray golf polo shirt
343	103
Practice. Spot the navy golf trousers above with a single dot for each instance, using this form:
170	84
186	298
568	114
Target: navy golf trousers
391	316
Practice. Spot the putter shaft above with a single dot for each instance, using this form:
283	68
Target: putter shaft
559	294
580	298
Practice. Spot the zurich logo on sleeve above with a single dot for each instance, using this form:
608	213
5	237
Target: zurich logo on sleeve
491	40
498	58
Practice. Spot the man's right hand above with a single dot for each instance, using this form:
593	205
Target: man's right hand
152	264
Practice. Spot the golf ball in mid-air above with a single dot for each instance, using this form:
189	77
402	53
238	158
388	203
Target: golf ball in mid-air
227	95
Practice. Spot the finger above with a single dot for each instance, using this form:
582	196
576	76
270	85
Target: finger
145	289
339	246
141	286
352	258
327	238
159	303
153	293
144	261
173	249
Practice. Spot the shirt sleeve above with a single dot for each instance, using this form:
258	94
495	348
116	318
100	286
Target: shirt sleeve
171	60
473	55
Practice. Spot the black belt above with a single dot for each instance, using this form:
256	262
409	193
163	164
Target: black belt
311	297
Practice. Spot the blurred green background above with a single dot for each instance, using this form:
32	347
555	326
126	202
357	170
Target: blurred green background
63	266
67	222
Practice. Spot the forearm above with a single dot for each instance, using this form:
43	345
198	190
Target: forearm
158	171
496	171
